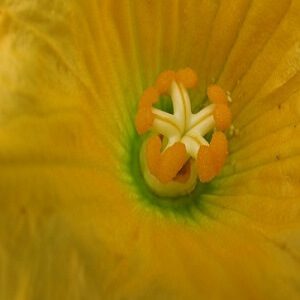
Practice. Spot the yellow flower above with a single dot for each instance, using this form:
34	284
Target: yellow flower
76	218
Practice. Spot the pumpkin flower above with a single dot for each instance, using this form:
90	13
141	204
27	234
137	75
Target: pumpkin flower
149	149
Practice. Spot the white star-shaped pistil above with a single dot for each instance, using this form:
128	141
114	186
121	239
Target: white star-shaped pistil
184	126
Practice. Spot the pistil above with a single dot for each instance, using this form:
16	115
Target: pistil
177	149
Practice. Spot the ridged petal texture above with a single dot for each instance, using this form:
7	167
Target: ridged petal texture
73	222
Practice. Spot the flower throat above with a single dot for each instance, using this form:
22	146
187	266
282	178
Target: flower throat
176	153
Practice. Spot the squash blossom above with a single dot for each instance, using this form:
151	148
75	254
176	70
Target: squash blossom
149	149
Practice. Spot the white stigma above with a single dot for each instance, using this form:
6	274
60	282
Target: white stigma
184	126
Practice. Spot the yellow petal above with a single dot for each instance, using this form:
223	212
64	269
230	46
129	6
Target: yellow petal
76	220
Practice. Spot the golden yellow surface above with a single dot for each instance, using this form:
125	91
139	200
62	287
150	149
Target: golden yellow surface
73	225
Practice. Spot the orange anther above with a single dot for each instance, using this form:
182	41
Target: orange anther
216	94
164	81
149	97
153	154
165	166
211	158
176	163
171	162
222	116
205	164
219	149
187	77
144	119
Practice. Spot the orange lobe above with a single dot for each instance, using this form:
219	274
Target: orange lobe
165	166
144	119
187	77
211	158
172	160
205	164
153	154
149	97
164	81
219	149
216	94
222	116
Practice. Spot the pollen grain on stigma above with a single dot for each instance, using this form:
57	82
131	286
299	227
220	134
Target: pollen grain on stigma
177	152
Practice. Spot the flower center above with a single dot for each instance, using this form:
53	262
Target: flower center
177	153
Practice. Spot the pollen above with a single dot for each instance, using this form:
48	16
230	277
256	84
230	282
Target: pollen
149	97
144	119
211	158
216	94
222	116
153	154
166	165
219	149
171	162
164	81
187	77
177	152
205	164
